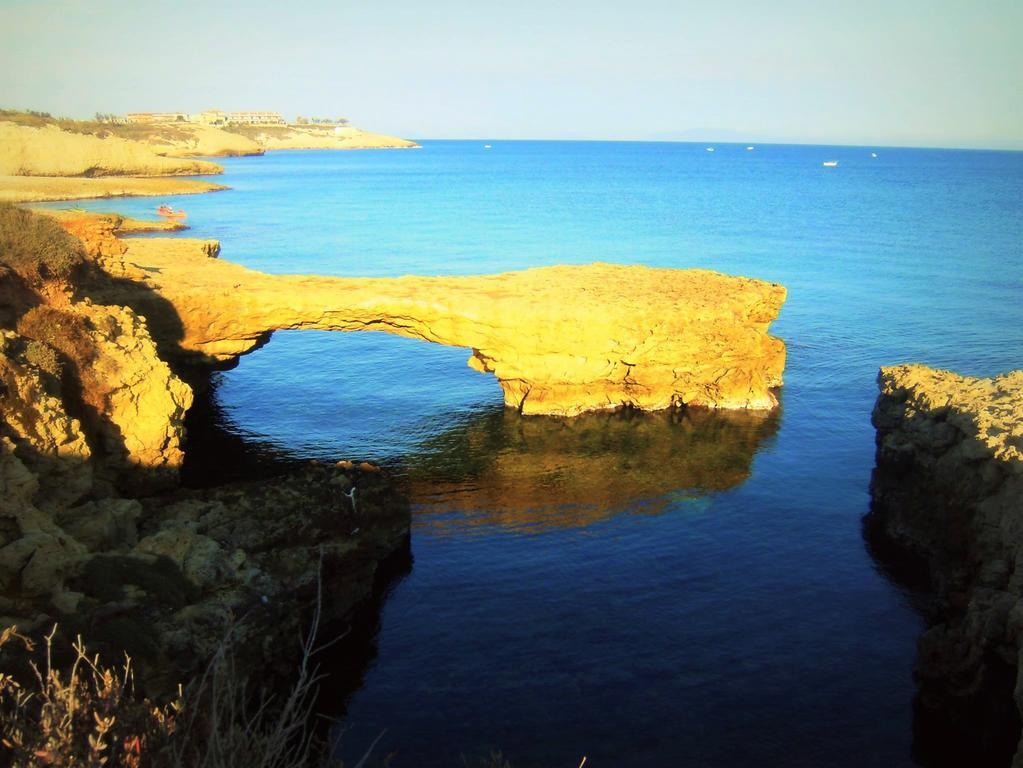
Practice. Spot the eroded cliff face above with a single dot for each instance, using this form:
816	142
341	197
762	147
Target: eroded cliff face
319	137
560	340
92	534
49	151
948	488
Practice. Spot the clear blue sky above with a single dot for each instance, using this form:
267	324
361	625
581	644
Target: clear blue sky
904	72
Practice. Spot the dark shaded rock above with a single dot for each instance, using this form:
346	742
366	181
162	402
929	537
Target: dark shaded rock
947	495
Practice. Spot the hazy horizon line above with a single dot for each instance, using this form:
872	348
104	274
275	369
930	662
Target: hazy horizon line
720	142
662	137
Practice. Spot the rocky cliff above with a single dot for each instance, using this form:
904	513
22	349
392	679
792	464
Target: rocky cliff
93	534
948	491
50	151
560	340
319	137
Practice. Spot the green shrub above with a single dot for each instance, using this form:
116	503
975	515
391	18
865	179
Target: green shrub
43	356
36	247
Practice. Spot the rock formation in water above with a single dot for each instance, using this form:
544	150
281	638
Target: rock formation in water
92	414
948	490
91	425
560	340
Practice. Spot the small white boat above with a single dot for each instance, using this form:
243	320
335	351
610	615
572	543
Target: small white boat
749	149
710	149
830	163
873	154
486	146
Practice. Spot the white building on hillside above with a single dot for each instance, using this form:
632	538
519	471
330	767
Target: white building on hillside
256	118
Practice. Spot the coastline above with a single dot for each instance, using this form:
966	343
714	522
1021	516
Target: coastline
42	189
43	159
122	229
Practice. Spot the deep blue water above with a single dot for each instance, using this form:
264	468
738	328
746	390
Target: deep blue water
643	591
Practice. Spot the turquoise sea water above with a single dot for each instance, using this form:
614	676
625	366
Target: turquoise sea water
643	590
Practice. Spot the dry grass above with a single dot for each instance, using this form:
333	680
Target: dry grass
135	131
89	715
84	716
36	247
255	131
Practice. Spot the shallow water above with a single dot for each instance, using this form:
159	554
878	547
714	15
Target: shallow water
644	590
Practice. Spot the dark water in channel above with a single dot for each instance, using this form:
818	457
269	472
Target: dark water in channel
682	589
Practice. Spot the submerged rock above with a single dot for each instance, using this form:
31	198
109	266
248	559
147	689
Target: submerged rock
948	490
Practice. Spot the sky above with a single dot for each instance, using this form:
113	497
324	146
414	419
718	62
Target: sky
943	73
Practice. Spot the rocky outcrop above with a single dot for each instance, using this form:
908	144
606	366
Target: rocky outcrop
91	426
246	559
115	223
38	189
948	490
50	151
560	340
319	137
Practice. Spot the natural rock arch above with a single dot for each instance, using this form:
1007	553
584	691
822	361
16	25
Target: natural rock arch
561	340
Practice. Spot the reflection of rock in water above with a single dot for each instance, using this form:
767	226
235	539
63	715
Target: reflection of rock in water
505	469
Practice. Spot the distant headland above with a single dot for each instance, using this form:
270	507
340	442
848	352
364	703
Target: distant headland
49	158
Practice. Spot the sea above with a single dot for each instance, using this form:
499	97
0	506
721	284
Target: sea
673	589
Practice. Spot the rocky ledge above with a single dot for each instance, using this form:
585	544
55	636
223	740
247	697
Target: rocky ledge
948	490
560	340
94	534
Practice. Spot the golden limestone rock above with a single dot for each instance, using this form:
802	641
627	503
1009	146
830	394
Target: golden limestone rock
561	340
274	137
50	151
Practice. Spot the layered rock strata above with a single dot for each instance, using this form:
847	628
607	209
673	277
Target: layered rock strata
948	489
560	340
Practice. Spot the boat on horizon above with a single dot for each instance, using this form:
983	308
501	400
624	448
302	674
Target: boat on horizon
873	154
830	163
749	149
710	149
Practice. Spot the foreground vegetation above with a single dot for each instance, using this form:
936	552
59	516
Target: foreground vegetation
85	713
36	247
